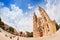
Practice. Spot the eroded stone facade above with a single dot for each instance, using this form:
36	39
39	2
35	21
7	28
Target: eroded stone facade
43	26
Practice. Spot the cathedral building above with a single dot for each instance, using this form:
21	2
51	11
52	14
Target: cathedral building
43	25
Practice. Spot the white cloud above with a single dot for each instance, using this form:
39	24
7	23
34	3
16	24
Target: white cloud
15	17
29	6
25	24
16	11
12	14
53	9
1	4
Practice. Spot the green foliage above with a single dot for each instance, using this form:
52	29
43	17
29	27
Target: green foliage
0	19
10	29
57	26
1	24
29	34
0	30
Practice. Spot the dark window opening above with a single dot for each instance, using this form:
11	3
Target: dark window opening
45	18
48	27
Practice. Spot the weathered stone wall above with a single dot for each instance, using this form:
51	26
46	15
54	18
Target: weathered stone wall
55	36
43	23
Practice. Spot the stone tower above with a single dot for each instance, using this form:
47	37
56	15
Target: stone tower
35	29
43	26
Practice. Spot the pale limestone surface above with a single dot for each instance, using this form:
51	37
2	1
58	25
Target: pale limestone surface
43	24
55	36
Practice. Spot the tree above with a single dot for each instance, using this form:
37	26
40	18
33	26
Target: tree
10	29
29	34
0	19
57	26
1	24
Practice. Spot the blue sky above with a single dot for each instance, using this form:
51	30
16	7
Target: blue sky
19	13
23	4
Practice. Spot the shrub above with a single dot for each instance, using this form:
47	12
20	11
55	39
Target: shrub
10	29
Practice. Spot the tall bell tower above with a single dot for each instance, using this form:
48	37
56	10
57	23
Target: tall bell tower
49	24
43	26
35	28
